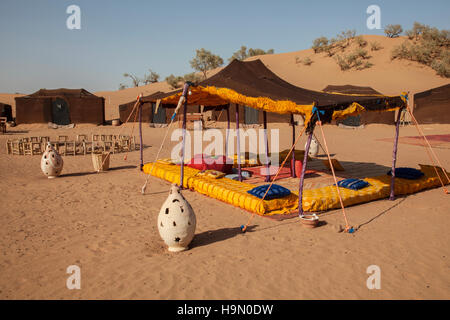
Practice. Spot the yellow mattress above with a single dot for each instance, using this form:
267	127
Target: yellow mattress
224	189
321	199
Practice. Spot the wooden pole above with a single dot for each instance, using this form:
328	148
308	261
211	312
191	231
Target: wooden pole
266	141
238	144
293	151
394	155
302	176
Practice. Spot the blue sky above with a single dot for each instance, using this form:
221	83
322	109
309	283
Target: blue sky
38	51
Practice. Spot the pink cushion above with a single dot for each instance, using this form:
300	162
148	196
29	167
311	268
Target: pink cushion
204	162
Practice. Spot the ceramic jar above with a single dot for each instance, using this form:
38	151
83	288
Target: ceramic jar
176	221
51	162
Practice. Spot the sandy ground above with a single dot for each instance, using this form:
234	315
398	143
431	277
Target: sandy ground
103	224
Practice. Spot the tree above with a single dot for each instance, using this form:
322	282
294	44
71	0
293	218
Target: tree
243	53
204	60
151	78
393	30
122	86
192	77
174	81
136	81
320	44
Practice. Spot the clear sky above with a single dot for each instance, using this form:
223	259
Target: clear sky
38	51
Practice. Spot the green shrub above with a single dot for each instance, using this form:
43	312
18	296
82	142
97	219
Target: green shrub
360	41
342	62
307	61
442	67
375	46
401	51
362	53
393	30
319	44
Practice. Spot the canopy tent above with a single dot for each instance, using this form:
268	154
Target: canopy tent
253	84
384	117
60	106
349	89
433	106
147	105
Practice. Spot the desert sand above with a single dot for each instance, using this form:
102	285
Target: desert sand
103	224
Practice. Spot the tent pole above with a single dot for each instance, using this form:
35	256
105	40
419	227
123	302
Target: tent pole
293	151
302	176
394	155
183	146
140	136
238	144
228	130
266	141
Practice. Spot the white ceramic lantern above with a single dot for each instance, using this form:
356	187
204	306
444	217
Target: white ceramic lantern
314	147
176	221
51	162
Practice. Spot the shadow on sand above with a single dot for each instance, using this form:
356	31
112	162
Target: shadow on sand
209	237
80	174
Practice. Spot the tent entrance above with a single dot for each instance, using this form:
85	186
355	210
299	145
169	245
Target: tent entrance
60	112
251	115
352	121
160	116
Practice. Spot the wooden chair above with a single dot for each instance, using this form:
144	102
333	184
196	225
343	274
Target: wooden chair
84	143
27	148
70	148
8	146
16	147
124	143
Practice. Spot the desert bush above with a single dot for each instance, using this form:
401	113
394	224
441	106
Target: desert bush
307	61
319	44
375	46
362	53
243	53
401	51
442	67
393	30
355	60
365	65
192	77
342	62
360	41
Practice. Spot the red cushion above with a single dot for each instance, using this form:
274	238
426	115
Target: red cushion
204	162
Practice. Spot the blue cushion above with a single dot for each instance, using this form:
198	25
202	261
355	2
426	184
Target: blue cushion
407	173
275	192
354	184
235	176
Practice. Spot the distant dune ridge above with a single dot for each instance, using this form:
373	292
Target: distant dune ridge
390	77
